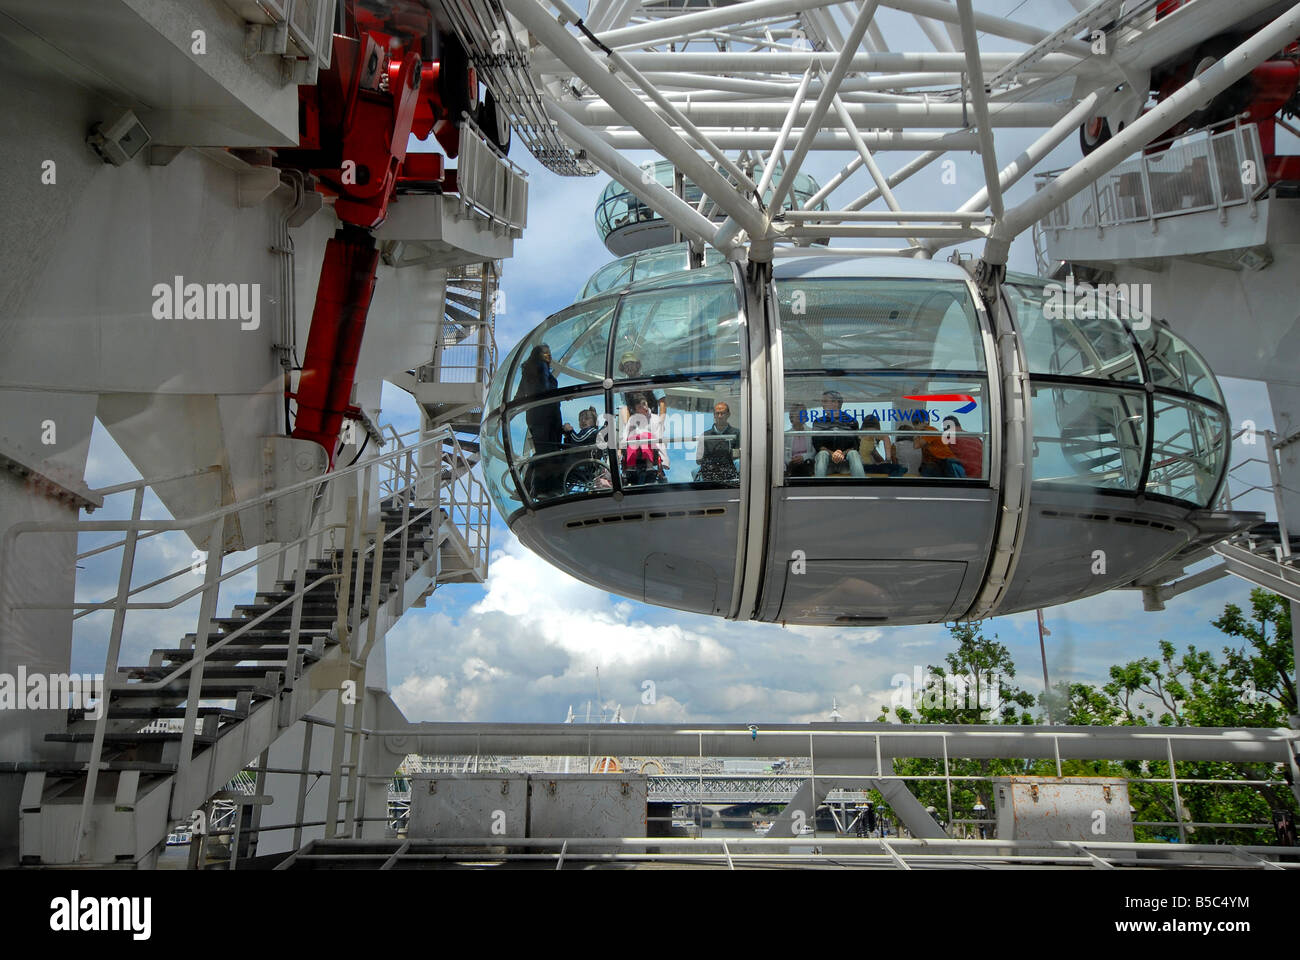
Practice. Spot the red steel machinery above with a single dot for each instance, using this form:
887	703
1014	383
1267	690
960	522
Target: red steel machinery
392	75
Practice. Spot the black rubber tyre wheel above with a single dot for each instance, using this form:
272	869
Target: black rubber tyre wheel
453	79
1093	133
494	123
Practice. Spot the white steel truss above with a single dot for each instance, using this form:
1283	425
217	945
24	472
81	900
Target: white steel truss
737	94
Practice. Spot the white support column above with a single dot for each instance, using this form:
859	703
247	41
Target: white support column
673	209
851	44
1285	401
897	177
778	150
1029	158
988	152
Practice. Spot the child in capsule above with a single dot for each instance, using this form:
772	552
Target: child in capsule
837	442
629	366
585	435
591	472
644	457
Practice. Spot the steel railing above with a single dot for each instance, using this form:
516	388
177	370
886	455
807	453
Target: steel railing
488	181
1192	173
463	504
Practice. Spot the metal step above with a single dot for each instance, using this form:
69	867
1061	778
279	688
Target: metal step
265	652
120	740
211	689
1260	569
211	671
116	712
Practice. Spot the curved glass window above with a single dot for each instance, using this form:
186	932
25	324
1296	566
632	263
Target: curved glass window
696	439
878	324
647	265
1068	336
1188	449
609	277
1174	364
1093	436
674	332
877	426
578	339
496	469
497	388
685	278
619	207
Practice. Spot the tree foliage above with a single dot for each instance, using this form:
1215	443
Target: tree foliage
1250	685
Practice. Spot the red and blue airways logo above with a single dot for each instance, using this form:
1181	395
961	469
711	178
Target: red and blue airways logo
967	401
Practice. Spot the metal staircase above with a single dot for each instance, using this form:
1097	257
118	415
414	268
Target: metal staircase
1262	553
1261	557
239	681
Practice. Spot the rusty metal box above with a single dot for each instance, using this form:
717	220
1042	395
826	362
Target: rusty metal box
487	805
1063	808
587	805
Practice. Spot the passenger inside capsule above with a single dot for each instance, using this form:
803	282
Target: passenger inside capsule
874	460
645	459
836	439
718	448
801	449
968	450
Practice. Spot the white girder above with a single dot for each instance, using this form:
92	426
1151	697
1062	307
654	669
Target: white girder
700	85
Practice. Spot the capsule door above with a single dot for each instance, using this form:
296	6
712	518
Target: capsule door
879	502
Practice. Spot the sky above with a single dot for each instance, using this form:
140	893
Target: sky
532	642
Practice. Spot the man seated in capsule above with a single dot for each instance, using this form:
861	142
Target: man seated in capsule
801	448
644	457
836	439
718	448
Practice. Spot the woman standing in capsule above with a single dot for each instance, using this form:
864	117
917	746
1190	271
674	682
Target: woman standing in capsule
544	420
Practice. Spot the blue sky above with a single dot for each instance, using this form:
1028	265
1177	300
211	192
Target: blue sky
529	643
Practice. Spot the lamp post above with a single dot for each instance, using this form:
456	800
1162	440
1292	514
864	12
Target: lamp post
980	811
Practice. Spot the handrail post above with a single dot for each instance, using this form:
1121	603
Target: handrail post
1275	476
408	492
1249	189
295	617
1178	800
345	647
1145	166
362	514
947	782
110	669
1212	167
356	785
207	610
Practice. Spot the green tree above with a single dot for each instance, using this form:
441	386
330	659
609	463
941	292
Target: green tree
988	668
1249	685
